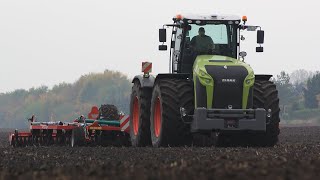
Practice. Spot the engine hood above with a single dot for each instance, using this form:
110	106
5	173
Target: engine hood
216	60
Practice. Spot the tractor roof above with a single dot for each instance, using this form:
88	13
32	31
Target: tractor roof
208	17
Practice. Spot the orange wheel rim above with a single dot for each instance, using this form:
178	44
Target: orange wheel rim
157	117
136	115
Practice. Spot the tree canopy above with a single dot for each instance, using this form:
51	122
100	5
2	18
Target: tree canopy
65	101
312	91
299	94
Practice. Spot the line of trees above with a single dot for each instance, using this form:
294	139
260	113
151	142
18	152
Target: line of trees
299	94
65	101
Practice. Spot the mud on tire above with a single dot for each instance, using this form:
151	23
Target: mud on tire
166	125
140	115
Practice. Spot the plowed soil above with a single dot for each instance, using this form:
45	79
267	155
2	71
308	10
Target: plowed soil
297	156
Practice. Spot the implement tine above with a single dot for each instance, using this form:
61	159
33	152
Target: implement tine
12	142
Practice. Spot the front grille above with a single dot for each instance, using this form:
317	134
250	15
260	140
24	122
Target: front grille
228	85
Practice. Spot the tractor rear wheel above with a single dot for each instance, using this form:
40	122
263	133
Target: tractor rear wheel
266	96
140	115
77	137
166	125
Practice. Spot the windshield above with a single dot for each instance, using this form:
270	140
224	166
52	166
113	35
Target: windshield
215	39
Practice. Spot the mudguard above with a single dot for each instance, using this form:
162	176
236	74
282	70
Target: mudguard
144	81
149	81
265	77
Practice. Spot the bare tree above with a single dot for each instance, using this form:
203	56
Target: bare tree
300	76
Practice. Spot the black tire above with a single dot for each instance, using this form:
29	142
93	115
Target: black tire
167	127
77	137
140	115
108	112
266	96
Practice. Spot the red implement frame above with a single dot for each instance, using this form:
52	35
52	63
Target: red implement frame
54	128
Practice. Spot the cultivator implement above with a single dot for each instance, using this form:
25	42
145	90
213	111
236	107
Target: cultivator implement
82	131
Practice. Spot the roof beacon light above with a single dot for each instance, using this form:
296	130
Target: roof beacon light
244	19
179	17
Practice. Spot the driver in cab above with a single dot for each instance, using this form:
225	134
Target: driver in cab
202	44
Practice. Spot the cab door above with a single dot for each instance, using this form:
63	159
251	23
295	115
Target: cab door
176	40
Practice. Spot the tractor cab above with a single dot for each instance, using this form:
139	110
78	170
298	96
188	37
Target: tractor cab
193	36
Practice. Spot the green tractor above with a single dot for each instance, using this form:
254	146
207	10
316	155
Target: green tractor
210	91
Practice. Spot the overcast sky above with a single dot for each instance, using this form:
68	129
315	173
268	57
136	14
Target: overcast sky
47	42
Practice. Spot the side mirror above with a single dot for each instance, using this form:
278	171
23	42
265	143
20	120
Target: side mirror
260	37
163	47
163	35
259	49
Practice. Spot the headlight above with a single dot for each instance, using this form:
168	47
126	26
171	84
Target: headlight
249	80
204	77
202	73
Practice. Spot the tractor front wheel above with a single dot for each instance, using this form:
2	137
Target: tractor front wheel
266	96
166	125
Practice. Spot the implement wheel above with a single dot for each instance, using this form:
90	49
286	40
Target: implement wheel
108	112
